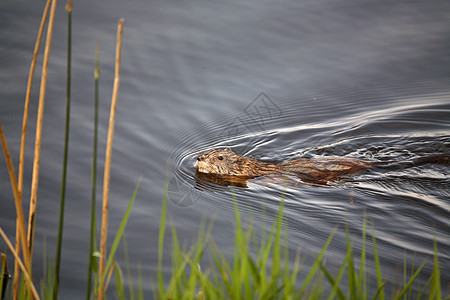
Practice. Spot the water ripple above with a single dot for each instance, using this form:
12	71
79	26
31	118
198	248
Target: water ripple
405	129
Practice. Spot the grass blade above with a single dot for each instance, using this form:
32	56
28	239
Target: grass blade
66	152
335	282
119	233
380	282
236	284
162	229
379	290
127	268
351	267
362	283
317	262
435	289
92	234
118	274
408	285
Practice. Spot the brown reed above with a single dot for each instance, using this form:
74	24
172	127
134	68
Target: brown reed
19	261
37	149
106	178
17	201
23	138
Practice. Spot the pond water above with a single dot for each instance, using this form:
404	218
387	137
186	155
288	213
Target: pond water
275	80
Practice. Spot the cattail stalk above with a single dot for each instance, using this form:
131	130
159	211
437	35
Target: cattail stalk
106	178
39	122
22	143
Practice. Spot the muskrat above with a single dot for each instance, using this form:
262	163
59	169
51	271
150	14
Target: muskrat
225	162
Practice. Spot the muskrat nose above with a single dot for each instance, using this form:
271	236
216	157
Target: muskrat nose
198	158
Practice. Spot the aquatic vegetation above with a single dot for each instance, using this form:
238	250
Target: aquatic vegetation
262	269
26	287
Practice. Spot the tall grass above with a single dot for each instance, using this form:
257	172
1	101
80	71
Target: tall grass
50	289
66	151
262	269
92	232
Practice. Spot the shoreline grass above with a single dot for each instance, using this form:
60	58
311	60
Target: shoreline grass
93	226
261	269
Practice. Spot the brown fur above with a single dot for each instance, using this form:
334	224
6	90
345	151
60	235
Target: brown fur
227	162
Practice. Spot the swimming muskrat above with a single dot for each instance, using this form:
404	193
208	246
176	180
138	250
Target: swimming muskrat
225	162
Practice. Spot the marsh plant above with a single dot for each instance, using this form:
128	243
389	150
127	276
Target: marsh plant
262	269
101	264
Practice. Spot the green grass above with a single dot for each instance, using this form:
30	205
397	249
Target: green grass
261	269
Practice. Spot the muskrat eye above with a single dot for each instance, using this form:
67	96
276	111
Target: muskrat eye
220	157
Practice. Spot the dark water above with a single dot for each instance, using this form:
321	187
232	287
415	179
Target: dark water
273	80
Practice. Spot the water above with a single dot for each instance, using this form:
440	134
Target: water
273	80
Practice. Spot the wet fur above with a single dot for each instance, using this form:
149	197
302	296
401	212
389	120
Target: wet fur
311	169
315	169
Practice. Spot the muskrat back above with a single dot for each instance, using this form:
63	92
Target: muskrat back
227	162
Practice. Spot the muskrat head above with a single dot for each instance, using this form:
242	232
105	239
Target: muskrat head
218	161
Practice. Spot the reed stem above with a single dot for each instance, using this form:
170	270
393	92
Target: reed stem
162	230
4	276
17	201
19	261
37	148
23	139
104	228
28	94
93	173
66	152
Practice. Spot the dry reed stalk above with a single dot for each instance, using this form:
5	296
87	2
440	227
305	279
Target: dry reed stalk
37	148
24	270
17	201
23	138
110	273
16	264
104	229
27	96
